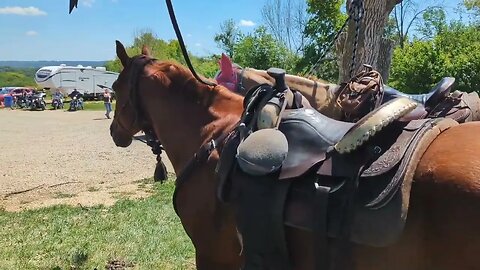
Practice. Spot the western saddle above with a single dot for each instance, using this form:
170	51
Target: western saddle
345	182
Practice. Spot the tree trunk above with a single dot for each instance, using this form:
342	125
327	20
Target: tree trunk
385	58
371	48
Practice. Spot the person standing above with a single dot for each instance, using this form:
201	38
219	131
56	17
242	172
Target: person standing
107	101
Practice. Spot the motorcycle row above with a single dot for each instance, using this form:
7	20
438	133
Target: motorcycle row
36	101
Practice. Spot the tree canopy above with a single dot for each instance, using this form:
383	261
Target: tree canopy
166	50
453	52
260	50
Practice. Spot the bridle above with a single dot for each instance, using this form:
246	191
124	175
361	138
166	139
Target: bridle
138	64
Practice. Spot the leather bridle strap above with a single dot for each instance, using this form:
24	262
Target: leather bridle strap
198	158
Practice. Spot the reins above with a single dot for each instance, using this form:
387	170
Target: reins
199	157
182	44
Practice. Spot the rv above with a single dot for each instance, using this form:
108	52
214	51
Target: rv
89	81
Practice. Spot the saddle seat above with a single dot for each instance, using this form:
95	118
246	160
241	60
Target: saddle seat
312	136
429	100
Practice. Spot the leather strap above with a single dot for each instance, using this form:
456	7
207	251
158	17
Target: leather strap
198	158
320	231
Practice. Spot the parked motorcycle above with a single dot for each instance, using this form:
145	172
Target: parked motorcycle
37	101
57	103
76	104
21	101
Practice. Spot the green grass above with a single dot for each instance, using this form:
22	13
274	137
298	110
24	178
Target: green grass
144	233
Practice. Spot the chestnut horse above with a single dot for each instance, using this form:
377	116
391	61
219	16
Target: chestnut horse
443	223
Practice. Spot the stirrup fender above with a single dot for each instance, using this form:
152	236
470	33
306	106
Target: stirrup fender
373	122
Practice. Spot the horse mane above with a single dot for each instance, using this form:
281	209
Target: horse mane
177	77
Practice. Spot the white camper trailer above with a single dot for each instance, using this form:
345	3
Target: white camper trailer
87	80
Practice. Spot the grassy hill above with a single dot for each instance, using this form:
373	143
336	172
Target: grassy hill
17	77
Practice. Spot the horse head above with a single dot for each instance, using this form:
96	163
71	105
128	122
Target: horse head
126	121
165	98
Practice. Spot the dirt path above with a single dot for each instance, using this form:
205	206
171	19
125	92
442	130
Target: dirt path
55	157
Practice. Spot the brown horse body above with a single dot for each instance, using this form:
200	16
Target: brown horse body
443	222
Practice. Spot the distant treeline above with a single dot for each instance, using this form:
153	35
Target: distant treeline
22	73
10	76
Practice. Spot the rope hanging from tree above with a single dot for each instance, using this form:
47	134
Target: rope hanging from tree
356	11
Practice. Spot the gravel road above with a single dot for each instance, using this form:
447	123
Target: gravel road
55	157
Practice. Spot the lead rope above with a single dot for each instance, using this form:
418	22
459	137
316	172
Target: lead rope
356	10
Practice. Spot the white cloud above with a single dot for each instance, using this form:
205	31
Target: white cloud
31	33
24	11
198	44
88	3
246	23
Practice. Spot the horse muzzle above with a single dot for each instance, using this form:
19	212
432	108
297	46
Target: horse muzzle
120	137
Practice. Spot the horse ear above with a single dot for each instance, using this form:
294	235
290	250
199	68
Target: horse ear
122	53
146	50
226	65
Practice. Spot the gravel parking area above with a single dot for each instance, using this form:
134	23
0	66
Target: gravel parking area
56	157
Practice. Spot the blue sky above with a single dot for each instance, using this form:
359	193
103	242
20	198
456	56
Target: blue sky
43	29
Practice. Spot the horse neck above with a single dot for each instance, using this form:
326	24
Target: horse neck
184	128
